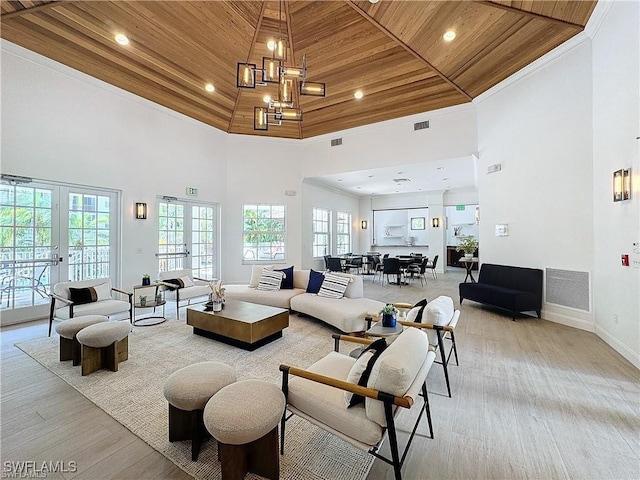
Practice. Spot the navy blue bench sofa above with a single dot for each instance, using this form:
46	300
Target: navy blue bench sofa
516	289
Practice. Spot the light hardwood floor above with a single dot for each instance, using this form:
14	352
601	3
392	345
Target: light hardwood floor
531	399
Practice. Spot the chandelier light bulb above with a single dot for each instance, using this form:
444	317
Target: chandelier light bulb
266	99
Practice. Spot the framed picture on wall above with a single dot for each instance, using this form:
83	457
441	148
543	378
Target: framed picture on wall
417	223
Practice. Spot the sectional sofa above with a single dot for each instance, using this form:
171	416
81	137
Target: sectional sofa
346	314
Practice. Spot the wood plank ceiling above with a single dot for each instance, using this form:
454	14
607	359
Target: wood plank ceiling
393	51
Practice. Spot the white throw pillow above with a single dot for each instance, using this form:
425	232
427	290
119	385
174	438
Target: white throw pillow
334	286
396	369
103	292
270	280
256	273
186	281
439	311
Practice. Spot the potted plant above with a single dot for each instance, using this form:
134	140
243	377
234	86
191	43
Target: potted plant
143	300
389	313
217	295
467	244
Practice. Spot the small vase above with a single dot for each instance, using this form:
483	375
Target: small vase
143	303
146	281
388	320
217	305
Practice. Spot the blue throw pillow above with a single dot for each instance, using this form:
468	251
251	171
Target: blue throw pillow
315	281
287	281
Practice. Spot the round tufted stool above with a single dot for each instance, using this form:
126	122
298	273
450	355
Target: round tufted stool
104	345
188	390
244	418
70	349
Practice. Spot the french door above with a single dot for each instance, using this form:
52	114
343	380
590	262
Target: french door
187	237
51	233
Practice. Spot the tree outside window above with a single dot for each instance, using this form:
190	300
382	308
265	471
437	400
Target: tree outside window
264	233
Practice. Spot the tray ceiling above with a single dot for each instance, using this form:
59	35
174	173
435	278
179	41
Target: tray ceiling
393	51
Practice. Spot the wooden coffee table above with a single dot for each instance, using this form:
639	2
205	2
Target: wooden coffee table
242	324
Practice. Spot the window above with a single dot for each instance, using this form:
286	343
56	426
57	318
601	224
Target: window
321	233
343	233
264	233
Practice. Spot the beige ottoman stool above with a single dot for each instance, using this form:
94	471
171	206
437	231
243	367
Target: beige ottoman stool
69	347
188	390
104	345
244	418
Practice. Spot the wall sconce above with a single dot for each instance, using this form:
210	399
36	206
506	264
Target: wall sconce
435	222
364	224
141	211
622	185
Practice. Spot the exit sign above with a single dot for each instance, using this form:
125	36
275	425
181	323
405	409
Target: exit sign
192	191
459	207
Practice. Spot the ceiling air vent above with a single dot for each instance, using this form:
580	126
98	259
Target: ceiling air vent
421	125
401	180
336	141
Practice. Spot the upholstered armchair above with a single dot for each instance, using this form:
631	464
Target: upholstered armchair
181	285
320	394
87	297
438	316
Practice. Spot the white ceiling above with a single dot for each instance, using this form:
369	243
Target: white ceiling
451	174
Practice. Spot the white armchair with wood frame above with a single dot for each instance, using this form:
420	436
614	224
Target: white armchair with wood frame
396	379
87	297
181	285
438	315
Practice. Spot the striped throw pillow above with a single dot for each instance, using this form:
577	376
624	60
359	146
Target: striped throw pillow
270	280
334	286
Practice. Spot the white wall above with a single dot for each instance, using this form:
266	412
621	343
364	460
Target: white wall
539	129
61	125
616	124
260	172
315	196
452	134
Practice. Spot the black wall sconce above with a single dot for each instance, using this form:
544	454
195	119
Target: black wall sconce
364	224
435	222
622	185
141	211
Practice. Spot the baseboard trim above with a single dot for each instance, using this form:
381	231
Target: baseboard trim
569	321
618	346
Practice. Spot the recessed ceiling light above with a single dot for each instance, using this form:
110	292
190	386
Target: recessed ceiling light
370	176
358	94
266	99
445	179
373	1
449	35
210	88
440	168
400	173
121	39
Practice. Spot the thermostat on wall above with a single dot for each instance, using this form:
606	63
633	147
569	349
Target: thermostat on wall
502	230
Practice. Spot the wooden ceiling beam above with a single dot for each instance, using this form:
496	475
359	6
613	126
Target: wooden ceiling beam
37	8
530	14
251	49
391	35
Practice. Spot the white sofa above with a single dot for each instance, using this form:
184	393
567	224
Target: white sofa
346	314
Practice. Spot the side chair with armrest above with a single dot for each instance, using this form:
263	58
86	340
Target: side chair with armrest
439	316
181	285
397	379
87	297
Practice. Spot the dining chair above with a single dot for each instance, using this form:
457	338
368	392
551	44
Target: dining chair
419	269
391	266
334	264
432	266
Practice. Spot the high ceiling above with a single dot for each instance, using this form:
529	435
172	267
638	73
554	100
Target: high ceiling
393	51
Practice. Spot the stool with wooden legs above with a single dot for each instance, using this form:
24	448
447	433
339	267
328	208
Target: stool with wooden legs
70	348
104	345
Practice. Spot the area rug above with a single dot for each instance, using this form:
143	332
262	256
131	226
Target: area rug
133	395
